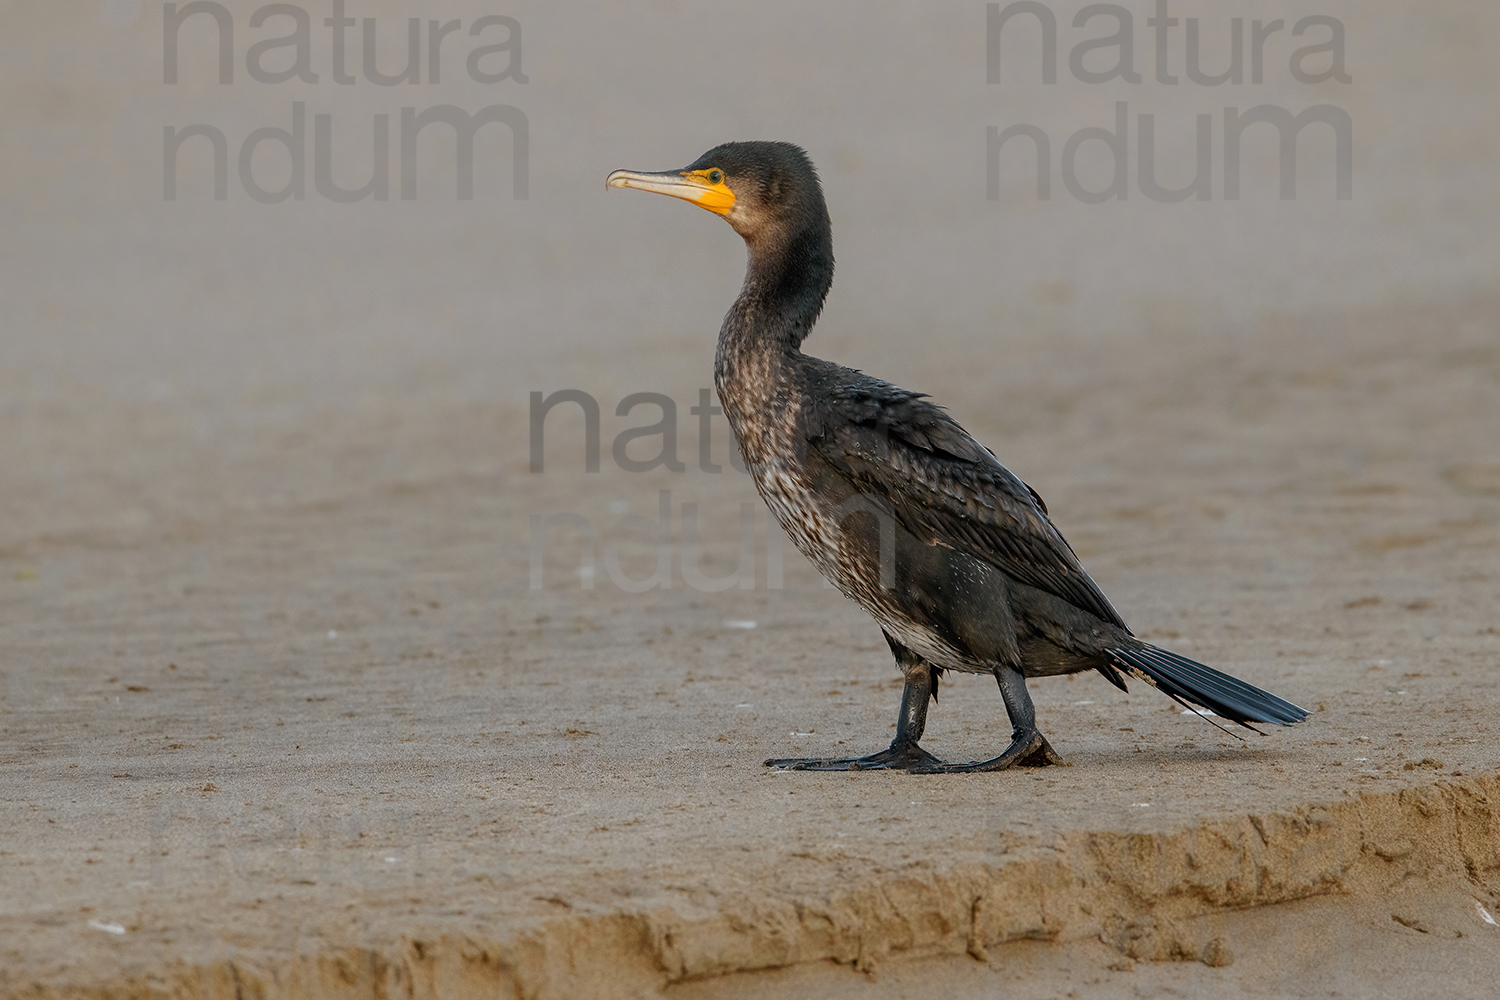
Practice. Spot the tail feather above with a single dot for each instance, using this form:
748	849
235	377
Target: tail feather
1189	681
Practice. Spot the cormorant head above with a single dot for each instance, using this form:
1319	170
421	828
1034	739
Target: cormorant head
768	191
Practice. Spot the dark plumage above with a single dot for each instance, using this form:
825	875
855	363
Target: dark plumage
893	501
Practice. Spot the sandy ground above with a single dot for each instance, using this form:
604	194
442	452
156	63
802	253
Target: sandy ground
348	740
305	691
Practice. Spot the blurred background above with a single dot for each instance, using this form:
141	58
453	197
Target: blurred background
169	361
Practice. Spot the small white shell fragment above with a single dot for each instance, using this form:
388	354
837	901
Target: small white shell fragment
100	925
1485	914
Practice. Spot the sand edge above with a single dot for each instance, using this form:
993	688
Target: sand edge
1138	891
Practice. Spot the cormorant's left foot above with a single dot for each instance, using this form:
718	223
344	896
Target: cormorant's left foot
1028	749
896	757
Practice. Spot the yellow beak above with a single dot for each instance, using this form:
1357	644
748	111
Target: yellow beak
694	186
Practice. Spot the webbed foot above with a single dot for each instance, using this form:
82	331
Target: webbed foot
896	757
1028	749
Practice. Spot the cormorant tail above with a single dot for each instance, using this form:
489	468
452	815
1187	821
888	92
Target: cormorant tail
1188	681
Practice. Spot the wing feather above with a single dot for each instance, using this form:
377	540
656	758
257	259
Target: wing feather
946	488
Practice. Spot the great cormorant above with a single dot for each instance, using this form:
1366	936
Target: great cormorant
894	502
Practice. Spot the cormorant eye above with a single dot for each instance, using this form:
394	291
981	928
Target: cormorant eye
716	177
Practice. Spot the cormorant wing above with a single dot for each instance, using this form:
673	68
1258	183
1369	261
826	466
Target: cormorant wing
945	487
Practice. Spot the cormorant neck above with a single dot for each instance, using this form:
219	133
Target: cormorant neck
786	282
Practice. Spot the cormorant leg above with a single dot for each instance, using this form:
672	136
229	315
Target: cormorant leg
903	753
1028	747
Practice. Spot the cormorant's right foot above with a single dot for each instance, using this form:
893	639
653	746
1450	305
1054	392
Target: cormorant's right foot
1028	749
896	757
